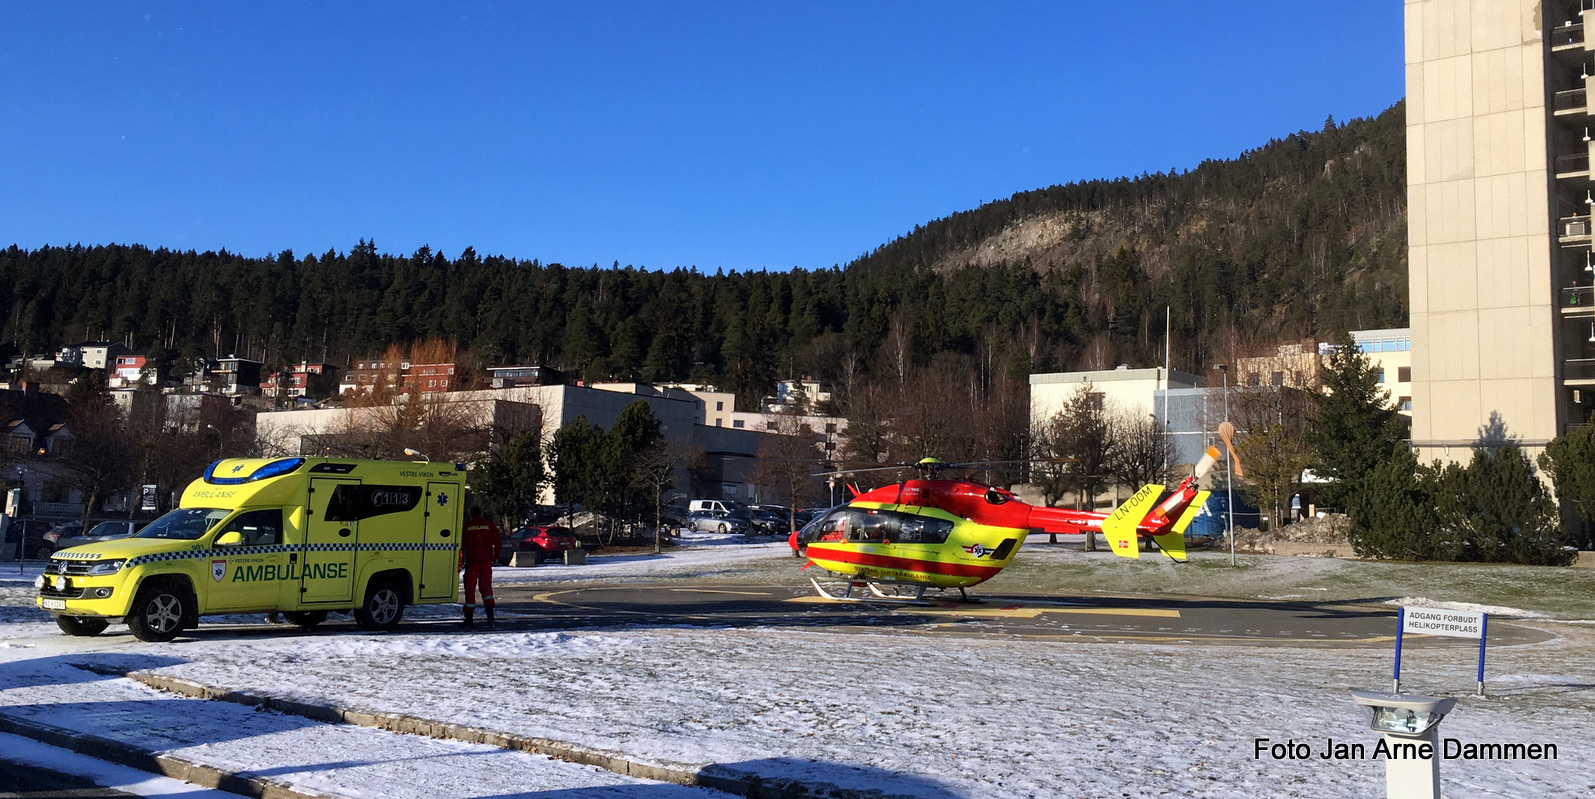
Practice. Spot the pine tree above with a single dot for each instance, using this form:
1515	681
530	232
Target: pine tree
1570	460
1355	429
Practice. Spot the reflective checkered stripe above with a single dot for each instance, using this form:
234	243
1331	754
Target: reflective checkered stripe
199	554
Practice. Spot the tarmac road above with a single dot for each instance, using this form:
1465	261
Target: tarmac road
1157	619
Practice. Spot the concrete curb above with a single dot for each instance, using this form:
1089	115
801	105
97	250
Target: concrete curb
718	777
148	760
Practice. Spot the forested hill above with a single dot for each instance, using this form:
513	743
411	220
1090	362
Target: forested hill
1302	236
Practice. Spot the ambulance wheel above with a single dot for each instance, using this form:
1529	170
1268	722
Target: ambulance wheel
80	625
305	619
158	613
383	607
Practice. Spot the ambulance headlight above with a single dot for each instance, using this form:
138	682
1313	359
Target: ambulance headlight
106	567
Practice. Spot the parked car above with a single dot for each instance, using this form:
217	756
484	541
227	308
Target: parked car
719	521
548	541
771	521
722	505
72	534
32	533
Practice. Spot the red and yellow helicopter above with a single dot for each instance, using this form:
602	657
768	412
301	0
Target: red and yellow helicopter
899	540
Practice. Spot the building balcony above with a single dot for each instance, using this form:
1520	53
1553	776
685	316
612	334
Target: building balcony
1568	37
1569	103
1578	300
1574	230
1578	372
1572	165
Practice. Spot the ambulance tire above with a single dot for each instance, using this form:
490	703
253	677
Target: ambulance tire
305	619
159	611
81	625
382	608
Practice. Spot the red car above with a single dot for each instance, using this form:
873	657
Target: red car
547	541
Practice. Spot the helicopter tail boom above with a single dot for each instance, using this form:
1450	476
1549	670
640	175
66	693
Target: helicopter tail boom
1150	513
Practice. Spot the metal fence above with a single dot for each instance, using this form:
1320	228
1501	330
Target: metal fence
1569	100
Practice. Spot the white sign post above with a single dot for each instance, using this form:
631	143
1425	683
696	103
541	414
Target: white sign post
1448	623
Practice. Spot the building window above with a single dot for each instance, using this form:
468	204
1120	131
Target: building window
1404	403
1279	379
1403	374
736	422
1381	373
717	423
769	425
830	427
1096	400
1253	381
719	406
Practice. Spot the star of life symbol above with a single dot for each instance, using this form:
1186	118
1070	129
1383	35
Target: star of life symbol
218	570
443	499
238	468
978	550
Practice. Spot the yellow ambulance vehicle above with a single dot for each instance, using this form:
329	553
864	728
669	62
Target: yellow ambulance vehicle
305	536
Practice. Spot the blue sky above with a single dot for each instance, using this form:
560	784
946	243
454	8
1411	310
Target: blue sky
716	135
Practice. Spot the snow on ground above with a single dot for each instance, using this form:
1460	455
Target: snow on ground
340	759
1493	610
106	775
911	714
704	555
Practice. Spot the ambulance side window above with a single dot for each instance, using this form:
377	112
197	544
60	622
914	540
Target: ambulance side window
260	528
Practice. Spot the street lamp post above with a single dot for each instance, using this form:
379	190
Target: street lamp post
1229	485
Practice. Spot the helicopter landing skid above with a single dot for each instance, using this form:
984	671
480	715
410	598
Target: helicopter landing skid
896	595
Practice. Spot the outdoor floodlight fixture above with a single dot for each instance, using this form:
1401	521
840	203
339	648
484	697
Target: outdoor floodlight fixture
415	455
1586	135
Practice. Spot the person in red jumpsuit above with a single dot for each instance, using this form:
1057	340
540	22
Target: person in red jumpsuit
480	546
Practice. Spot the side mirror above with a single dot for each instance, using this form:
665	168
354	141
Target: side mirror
230	539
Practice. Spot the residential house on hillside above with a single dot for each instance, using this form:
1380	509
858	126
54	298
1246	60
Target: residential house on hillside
236	376
300	380
91	354
128	371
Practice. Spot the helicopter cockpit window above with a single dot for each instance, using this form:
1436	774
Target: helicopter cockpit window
922	530
832	527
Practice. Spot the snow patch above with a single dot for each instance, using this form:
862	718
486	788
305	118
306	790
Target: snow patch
511	645
1493	610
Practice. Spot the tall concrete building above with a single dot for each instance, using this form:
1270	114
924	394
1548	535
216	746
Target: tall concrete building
1499	194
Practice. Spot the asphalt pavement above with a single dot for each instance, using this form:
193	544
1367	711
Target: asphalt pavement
1113	618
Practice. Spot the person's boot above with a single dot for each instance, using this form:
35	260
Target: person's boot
489	609
470	615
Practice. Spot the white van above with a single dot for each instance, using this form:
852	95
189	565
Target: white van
711	505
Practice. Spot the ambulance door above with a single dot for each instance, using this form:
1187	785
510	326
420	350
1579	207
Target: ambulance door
328	571
441	556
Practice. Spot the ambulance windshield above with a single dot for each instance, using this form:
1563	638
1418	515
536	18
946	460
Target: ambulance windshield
186	524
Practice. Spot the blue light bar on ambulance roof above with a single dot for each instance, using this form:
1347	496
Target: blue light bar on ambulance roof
274	469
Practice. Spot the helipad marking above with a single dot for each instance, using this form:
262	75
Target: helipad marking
980	613
1153	612
713	591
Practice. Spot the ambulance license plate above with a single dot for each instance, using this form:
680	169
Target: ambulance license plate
55	604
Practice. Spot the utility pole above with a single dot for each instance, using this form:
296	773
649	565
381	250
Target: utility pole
1229	485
